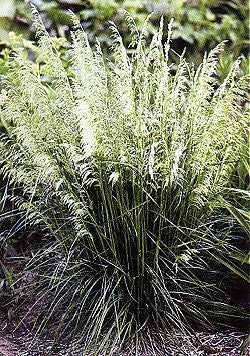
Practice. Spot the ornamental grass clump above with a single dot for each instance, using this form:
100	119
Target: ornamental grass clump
122	164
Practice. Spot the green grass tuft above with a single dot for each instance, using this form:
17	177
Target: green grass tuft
123	165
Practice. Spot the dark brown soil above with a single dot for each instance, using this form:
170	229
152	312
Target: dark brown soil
21	342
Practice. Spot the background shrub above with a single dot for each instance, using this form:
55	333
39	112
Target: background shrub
199	25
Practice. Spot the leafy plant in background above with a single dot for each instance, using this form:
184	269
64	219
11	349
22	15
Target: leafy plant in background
123	165
199	24
7	13
30	51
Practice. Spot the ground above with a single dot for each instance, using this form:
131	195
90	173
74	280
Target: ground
228	343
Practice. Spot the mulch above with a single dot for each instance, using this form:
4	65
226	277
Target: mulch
21	342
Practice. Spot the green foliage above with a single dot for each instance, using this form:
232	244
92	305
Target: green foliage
29	50
7	12
122	164
198	25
